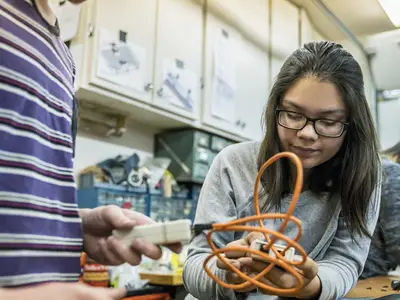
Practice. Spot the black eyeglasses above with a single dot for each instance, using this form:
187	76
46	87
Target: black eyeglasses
324	127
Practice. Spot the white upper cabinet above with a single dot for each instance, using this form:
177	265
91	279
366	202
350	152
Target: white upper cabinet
276	64
251	16
186	62
119	54
285	37
316	36
178	63
306	28
285	27
252	90
221	63
236	70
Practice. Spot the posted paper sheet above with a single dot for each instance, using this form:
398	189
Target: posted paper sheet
224	79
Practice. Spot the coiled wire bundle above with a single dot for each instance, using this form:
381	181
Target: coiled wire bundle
279	259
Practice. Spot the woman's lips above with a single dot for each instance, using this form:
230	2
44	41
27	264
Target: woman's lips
303	151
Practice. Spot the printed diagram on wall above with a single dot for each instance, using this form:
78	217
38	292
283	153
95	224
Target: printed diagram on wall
120	61
180	85
224	80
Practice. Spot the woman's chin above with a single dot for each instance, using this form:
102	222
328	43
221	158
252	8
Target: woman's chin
309	163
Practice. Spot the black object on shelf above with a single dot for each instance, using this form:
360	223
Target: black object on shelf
396	285
389	297
149	289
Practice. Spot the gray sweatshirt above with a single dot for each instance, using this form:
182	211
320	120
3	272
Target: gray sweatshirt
227	194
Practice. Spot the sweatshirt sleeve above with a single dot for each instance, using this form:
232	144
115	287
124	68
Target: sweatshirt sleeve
391	211
215	205
344	260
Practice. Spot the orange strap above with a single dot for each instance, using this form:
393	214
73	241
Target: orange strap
238	225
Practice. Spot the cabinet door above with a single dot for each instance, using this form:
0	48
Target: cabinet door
221	60
252	90
121	50
276	64
306	28
178	66
316	36
250	15
285	27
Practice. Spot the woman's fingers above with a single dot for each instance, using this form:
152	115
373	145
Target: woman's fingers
237	253
223	266
269	283
277	276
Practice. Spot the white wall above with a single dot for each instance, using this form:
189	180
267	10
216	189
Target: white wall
91	149
389	124
386	58
369	86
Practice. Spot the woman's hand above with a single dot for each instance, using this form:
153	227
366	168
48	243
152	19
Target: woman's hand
234	257
277	277
281	279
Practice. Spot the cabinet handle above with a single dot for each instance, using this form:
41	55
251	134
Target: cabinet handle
160	92
90	30
240	124
148	87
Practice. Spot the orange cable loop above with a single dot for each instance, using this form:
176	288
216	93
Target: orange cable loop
237	225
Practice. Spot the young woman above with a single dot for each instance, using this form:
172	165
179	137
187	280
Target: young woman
318	110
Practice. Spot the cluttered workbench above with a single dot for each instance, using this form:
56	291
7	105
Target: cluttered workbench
374	288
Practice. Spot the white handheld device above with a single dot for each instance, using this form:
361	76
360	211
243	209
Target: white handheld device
158	233
261	246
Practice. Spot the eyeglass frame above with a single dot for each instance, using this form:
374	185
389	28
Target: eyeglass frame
313	120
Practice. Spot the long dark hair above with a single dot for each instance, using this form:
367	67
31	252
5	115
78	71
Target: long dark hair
353	171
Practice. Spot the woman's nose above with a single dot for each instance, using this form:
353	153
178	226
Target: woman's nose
308	132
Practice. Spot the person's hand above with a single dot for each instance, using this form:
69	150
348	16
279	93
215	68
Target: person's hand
279	278
234	258
102	247
62	291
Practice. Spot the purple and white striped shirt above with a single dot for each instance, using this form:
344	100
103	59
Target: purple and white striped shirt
40	229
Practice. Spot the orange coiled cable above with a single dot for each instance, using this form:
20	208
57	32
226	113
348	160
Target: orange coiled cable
237	225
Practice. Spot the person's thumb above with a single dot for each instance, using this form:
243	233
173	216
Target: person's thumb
116	293
309	269
140	219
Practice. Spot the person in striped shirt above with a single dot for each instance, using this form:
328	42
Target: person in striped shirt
42	232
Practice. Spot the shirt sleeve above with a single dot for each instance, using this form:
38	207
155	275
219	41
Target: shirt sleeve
390	220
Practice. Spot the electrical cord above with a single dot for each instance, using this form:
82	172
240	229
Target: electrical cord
238	225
